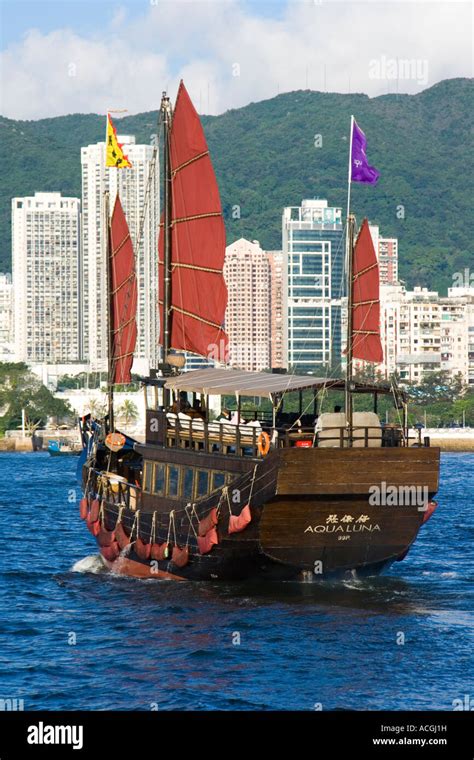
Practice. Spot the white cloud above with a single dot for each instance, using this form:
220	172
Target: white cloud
333	45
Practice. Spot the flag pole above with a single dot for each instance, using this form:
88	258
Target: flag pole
349	247
349	172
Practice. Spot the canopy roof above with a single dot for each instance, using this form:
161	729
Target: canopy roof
223	382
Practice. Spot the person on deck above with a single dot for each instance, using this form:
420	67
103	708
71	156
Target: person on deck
196	411
224	416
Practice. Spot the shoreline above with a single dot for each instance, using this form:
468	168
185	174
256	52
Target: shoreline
453	444
460	444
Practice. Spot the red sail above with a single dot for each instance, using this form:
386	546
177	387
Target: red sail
123	296
198	290
366	343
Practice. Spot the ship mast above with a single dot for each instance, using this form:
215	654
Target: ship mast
167	199
110	363
350	221
350	294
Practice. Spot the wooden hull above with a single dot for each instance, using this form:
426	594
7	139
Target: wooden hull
312	510
322	516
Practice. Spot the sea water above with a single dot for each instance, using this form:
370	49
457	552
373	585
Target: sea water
73	636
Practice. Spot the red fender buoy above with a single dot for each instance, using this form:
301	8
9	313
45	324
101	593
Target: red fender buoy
105	537
94	511
239	522
121	537
430	509
208	522
142	549
83	507
93	525
180	557
110	552
206	542
159	551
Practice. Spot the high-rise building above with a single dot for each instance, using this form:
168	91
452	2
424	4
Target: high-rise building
388	260
457	333
278	352
419	335
424	332
313	247
248	314
46	278
134	188
6	318
391	298
386	250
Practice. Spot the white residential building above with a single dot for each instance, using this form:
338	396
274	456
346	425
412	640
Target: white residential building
419	345
388	260
7	348
391	298
424	332
248	313
386	250
133	187
46	278
278	309
457	332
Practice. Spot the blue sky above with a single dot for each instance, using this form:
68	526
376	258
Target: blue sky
71	56
86	16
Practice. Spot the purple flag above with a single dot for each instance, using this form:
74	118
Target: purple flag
361	171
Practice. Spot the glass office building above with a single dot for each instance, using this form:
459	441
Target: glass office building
313	245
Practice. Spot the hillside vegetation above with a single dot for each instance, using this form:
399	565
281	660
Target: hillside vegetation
265	158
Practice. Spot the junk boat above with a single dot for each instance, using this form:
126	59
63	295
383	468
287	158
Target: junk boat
287	490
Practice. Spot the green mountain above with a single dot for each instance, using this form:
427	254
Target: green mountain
265	158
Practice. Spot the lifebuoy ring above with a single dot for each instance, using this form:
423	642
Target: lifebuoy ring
115	441
263	443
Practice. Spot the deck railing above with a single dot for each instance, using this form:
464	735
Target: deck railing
116	490
242	440
220	437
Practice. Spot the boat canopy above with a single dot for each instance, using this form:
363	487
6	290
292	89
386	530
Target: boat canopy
223	382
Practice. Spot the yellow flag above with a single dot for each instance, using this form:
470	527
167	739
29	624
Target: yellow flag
114	155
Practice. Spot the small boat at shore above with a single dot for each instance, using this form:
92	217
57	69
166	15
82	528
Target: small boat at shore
61	448
296	487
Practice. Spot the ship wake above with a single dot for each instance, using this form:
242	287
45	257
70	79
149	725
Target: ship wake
91	564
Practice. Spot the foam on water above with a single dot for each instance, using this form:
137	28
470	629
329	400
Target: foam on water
441	574
92	564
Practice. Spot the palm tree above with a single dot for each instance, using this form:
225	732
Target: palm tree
96	408
128	412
